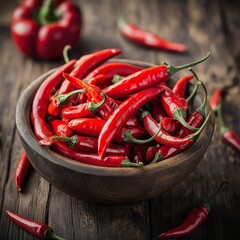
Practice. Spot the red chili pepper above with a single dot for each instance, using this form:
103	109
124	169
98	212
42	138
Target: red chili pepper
157	111
146	78
145	38
196	119
139	153
35	30
150	154
228	135
87	109
194	219
94	159
60	128
169	125
215	99
110	70
38	229
180	86
60	101
86	64
93	127
164	138
85	144
121	115
41	99
22	170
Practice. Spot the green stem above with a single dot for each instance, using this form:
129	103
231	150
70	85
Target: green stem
127	163
71	141
173	69
94	106
202	108
208	203
195	135
129	138
117	78
47	13
222	126
63	98
65	53
179	114
49	234
158	157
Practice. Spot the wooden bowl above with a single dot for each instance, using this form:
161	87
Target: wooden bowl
103	184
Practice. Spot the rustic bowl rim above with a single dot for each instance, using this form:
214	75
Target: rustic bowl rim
25	131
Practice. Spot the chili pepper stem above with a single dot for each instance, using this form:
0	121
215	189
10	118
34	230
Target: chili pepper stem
71	141
179	115
63	98
202	108
173	69
50	234
208	203
127	163
222	126
158	157
47	14
94	106
129	138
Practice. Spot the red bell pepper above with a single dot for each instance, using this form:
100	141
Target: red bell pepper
40	29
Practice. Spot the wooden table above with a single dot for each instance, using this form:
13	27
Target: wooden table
202	25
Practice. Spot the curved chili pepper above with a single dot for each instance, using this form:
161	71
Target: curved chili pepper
94	159
164	138
38	229
146	78
22	170
120	116
86	64
157	111
36	29
60	101
106	109
196	119
228	135
215	99
194	219
145	38
180	86
150	154
110	70
60	128
41	99
85	144
139	153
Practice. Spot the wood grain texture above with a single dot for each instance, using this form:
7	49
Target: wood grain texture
204	26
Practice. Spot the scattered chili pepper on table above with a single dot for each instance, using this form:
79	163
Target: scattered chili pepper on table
194	219
146	38
22	170
36	228
36	29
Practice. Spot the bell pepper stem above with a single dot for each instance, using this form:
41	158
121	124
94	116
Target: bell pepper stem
129	138
47	13
49	234
173	69
63	98
209	201
94	106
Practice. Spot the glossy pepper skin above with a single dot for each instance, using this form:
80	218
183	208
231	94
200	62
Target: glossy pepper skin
39	25
36	228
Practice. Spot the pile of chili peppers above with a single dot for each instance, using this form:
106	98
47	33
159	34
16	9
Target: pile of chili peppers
136	120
